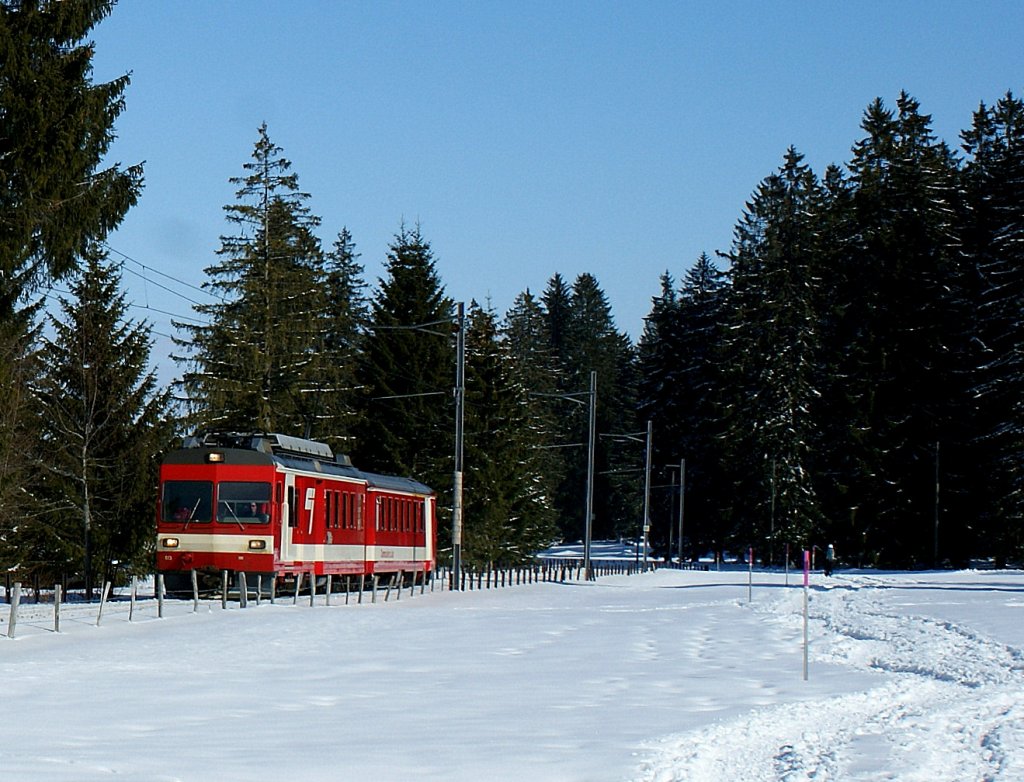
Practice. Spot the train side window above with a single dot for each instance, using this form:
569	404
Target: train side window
327	507
292	515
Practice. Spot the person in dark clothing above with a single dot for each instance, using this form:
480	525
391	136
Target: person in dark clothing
830	559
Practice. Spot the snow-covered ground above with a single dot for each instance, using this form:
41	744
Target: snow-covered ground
656	677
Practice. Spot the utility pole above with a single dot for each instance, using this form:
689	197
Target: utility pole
588	505
460	394
935	554
647	492
682	504
591	447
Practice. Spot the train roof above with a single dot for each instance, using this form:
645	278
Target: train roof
294	452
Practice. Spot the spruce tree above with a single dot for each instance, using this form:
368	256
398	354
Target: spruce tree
556	300
19	371
257	363
658	369
994	239
56	127
681	387
104	426
508	506
345	318
593	343
772	355
407	370
906	316
536	371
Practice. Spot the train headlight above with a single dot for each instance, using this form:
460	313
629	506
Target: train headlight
215	457
257	545
169	542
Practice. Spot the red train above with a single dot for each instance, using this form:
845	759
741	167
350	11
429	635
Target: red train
274	506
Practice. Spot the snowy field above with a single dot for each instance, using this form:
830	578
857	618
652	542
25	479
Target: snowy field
656	677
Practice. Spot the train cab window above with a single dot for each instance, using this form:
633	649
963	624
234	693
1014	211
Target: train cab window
188	501
243	502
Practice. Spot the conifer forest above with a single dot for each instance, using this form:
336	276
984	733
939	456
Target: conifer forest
849	371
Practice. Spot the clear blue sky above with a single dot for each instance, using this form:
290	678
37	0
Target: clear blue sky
526	138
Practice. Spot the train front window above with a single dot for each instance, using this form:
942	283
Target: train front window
243	502
188	501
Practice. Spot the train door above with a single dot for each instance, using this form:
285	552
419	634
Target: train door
429	533
288	519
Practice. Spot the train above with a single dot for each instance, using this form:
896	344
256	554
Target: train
273	506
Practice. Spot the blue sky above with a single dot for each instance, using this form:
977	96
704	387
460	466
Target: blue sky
526	138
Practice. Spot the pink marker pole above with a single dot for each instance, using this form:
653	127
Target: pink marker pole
750	574
807	581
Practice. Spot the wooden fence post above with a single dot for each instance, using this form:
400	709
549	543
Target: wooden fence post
195	591
103	599
56	608
134	594
330	586
224	589
160	595
243	589
312	588
14	601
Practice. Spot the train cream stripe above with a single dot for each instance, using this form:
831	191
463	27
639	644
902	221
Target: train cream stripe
387	554
308	552
299	552
215	544
326	553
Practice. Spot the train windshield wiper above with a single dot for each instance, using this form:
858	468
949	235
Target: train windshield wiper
231	510
193	513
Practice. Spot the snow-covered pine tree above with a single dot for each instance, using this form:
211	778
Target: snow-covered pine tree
903	309
994	239
255	364
771	355
407	371
681	384
56	126
104	424
536	371
508	509
593	343
345	318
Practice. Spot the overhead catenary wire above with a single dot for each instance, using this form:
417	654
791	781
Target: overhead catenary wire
171	277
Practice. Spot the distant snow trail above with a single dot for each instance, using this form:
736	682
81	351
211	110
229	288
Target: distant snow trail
951	706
